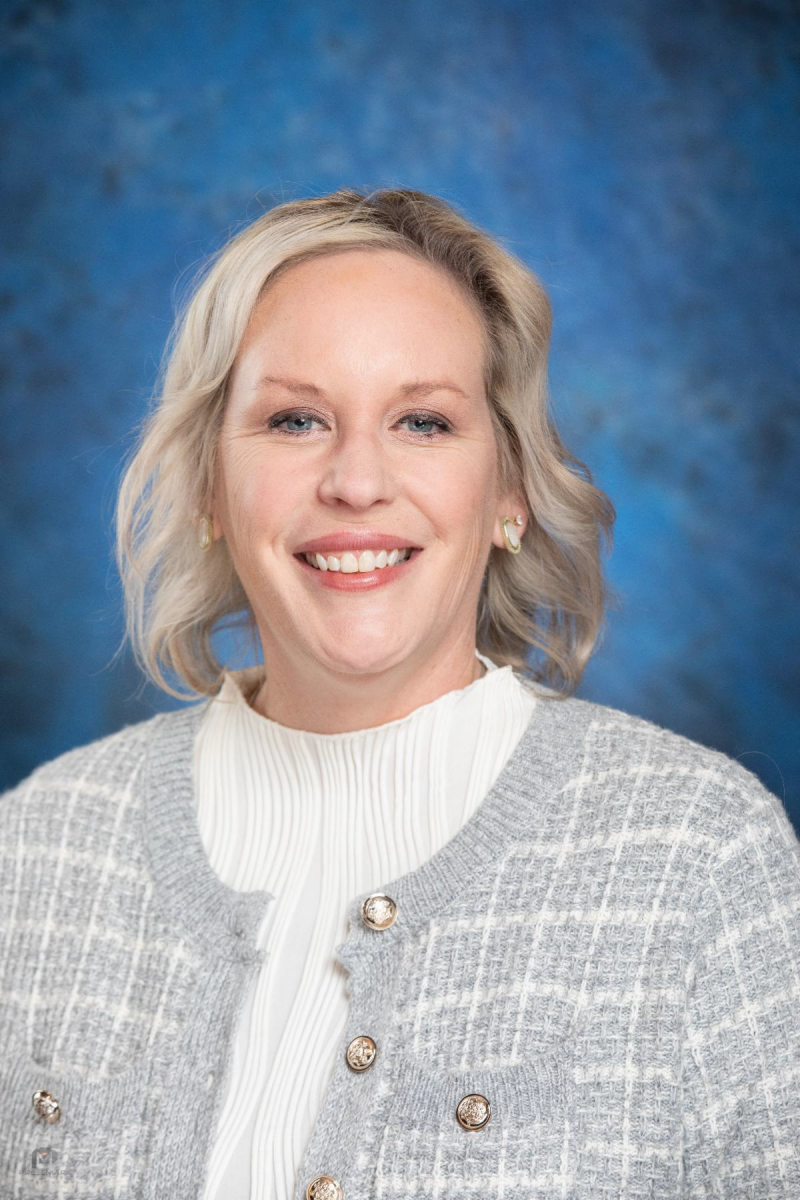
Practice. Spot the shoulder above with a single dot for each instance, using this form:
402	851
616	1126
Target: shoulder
664	773
78	824
101	770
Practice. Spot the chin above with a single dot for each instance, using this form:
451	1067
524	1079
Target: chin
361	662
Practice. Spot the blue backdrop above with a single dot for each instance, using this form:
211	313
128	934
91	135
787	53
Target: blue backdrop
641	157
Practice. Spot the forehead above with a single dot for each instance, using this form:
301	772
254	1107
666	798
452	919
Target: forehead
366	303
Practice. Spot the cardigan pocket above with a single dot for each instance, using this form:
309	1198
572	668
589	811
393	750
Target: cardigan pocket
525	1148
71	1154
97	1117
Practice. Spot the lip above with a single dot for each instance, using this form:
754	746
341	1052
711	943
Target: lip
359	581
349	539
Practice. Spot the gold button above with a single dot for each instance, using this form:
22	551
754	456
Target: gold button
47	1107
379	911
473	1112
361	1052
324	1187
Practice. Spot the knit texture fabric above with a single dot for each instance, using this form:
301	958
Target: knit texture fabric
608	951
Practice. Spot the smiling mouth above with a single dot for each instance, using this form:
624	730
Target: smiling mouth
365	563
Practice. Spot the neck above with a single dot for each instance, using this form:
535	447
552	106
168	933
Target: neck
358	702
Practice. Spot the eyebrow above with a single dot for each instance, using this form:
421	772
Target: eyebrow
414	388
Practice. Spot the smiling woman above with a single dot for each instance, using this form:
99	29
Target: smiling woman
361	363
391	911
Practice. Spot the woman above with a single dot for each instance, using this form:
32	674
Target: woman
397	913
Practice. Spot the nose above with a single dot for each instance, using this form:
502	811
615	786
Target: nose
357	471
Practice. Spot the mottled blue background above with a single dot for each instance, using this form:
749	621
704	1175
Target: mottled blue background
641	157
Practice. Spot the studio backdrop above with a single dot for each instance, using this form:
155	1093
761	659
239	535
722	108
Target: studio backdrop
641	158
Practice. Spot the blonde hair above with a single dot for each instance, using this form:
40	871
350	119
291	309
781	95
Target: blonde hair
551	597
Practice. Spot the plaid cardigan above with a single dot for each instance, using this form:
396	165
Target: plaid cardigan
604	961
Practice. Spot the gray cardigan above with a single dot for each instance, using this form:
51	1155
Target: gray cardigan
606	956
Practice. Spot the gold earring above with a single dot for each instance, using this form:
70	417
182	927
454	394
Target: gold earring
206	533
510	538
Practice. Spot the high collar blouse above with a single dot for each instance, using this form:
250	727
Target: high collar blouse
315	819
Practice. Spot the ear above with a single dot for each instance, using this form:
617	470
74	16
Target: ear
509	505
211	510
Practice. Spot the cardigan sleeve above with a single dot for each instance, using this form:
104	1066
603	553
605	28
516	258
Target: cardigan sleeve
741	1087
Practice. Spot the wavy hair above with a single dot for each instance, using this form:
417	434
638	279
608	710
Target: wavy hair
550	598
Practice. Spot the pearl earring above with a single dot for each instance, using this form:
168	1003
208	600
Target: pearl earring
509	536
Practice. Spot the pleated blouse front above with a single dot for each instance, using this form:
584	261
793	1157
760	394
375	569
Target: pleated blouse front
316	819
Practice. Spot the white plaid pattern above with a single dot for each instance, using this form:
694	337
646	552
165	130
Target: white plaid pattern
621	980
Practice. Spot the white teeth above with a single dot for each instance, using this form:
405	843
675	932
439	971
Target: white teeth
350	563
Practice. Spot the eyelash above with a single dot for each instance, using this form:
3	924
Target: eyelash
428	418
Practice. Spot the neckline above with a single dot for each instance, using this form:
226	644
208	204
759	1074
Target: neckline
523	797
222	921
225	922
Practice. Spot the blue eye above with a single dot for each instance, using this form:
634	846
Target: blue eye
426	419
442	427
276	422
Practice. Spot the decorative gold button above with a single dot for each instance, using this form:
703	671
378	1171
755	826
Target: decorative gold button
379	911
473	1112
324	1187
47	1107
361	1052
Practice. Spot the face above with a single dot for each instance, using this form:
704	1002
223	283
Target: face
374	419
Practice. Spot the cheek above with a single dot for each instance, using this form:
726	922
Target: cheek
260	495
457	493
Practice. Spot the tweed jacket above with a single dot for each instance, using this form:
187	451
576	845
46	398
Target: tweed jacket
591	990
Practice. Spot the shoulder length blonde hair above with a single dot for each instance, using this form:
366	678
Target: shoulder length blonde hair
551	597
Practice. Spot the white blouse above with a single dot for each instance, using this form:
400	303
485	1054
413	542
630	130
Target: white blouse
316	819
